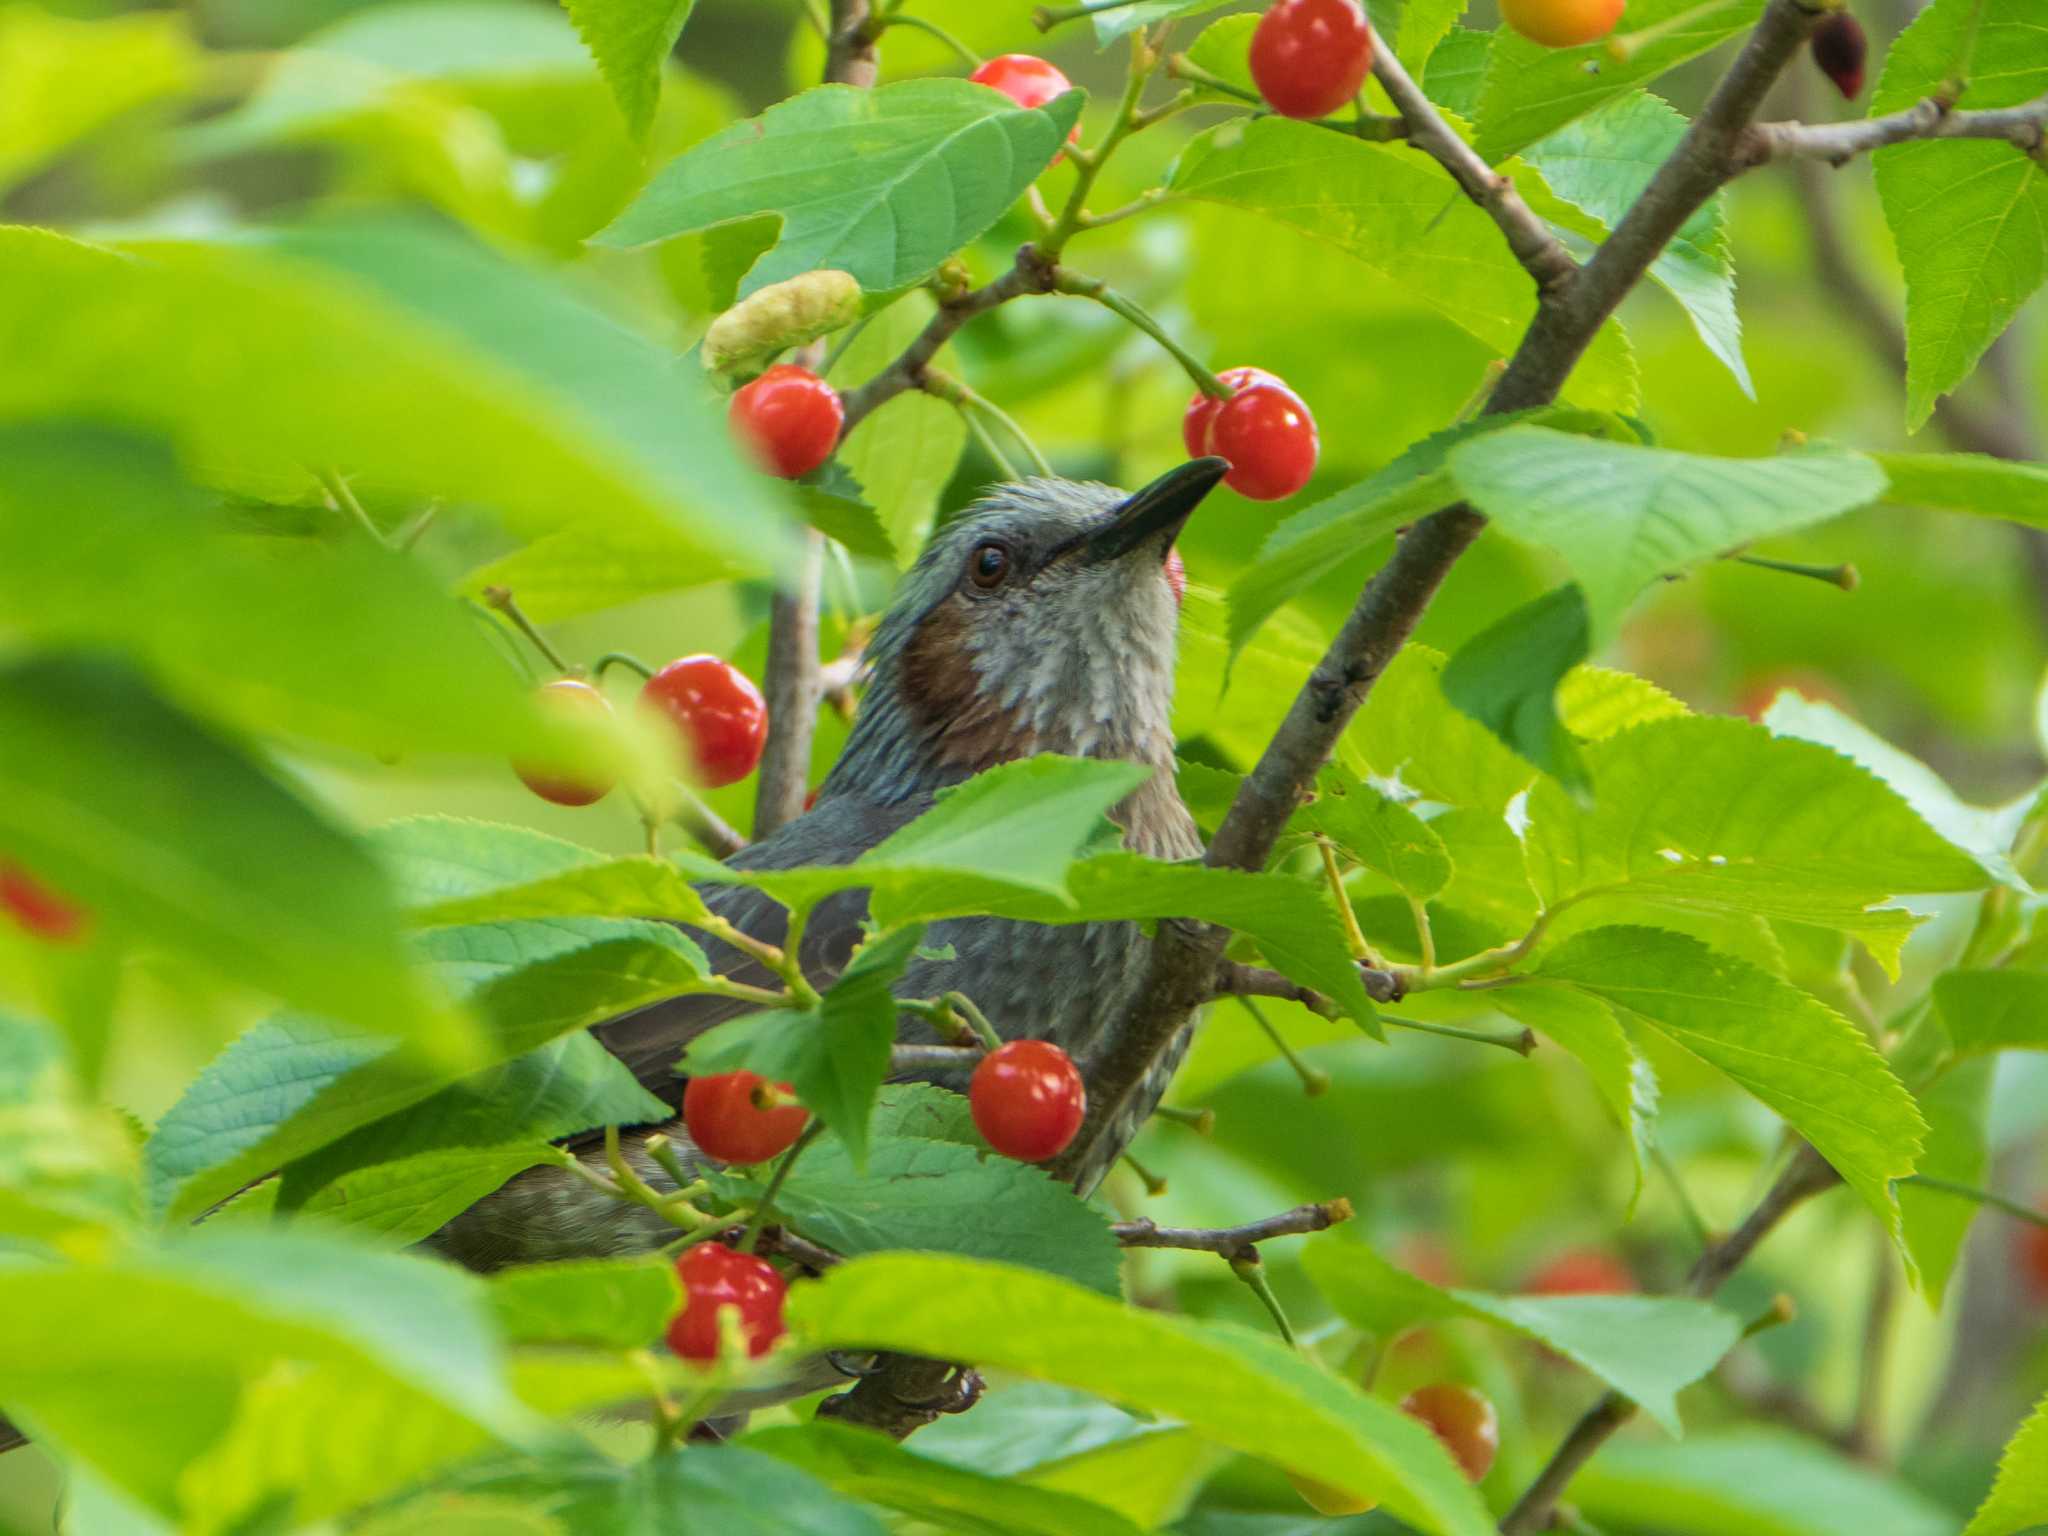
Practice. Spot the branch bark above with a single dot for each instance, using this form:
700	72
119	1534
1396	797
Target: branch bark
1805	1176
1931	118
1234	1242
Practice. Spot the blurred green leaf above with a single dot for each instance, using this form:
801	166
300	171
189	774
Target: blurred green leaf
1602	163
1987	1011
1393	213
728	1489
2018	1501
149	819
1621	515
67	79
384	353
1787	1048
942	1197
442	1514
1711	812
888	182
1968	482
1236	1387
608	1303
1648	1348
1506	677
341	642
1409	733
1749	1482
1587	1027
301	1372
1935	1221
293	1085
1124	20
872	1468
631	40
1531	91
1967	218
67	1168
404	1199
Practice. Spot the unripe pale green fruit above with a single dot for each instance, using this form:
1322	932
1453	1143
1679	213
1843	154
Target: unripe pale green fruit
784	314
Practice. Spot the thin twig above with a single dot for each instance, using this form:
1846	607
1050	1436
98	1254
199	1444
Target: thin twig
2012	1208
1838	143
707	828
1232	1241
934	1058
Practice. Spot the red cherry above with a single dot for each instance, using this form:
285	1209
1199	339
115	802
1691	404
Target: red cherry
1840	49
2033	1254
714	1276
788	419
38	908
1201	412
1027	1099
1176	575
1463	1419
1025	78
1583	1272
1309	57
1269	438
568	700
723	1120
718	713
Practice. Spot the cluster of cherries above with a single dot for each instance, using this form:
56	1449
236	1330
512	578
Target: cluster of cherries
1026	1097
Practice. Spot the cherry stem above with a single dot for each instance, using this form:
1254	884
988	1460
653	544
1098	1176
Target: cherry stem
1132	312
1622	49
1424	934
1314	1081
1844	576
500	599
1201	1121
1521	1044
344	500
1997	1202
621	659
663	1151
934	1058
956	393
759	1219
707	828
1372	126
1251	1269
972	59
669	1423
989	445
1155	1186
1694	1221
965	1006
1360	950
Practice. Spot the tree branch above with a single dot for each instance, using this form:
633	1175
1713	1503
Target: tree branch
1931	118
1539	251
1233	1242
1806	1175
1235	980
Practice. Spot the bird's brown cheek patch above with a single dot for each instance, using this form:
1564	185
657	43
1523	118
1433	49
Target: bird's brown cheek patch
966	728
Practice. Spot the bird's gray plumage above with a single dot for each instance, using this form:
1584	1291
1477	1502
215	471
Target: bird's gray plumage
1071	652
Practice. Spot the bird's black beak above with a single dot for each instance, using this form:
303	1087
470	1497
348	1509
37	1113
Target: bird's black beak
1160	507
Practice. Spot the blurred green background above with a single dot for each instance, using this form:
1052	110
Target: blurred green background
486	113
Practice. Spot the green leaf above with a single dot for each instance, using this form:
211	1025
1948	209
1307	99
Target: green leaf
449	862
1456	72
1748	1482
1645	1347
942	1197
1531	91
1967	217
402	1172
832	501
1603	162
1124	20
1974	483
2018	1500
1381	834
67	1168
835	1056
149	819
1788	1049
67	78
1587	1027
1224	50
442	1514
292	1085
1409	733
631	40
301	1371
593	564
1621	516
926	1112
1389	209
884	183
1955	1105
1241	1389
605	1303
1983	1012
870	1467
348	644
383	352
1698	811
1506	677
727	1489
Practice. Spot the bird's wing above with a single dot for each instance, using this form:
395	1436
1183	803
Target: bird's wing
839	830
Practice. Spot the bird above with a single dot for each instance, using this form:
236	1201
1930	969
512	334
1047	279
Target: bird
1041	619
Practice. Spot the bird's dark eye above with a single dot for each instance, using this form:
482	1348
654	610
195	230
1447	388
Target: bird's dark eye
988	565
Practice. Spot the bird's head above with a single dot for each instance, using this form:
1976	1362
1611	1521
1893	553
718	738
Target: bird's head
1040	620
